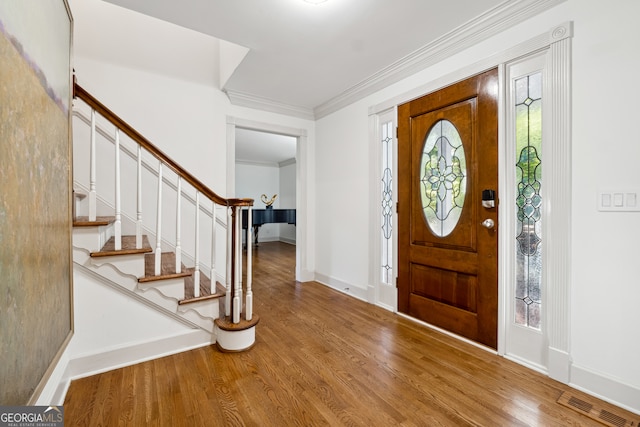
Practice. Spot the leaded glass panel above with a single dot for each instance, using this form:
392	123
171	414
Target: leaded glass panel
387	203
443	178
528	108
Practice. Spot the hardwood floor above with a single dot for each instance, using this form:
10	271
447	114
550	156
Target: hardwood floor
323	358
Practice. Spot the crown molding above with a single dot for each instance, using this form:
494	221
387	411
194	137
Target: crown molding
265	164
283	163
494	21
288	162
247	100
265	127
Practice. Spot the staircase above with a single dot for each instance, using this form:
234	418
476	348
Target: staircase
115	236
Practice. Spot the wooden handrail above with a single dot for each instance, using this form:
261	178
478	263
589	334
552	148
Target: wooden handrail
80	92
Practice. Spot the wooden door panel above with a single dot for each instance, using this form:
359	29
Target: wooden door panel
446	286
446	96
463	236
462	261
444	316
447	275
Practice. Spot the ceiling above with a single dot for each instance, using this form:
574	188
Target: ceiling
264	148
306	56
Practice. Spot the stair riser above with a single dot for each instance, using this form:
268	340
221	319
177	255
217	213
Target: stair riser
156	297
108	271
91	238
125	271
127	264
194	317
171	288
209	309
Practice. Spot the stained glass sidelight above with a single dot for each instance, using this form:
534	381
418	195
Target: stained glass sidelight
528	107
387	203
443	178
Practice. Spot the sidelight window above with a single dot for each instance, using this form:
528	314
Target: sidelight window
528	125
386	210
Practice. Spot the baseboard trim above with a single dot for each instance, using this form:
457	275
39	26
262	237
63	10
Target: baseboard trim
341	286
386	306
606	388
559	365
288	240
92	364
304	275
527	364
87	365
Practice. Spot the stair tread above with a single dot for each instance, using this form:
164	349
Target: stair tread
226	324
167	268
205	290
128	247
83	221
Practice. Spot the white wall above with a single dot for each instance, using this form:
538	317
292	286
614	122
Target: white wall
343	191
160	78
605	285
163	80
105	319
254	180
287	199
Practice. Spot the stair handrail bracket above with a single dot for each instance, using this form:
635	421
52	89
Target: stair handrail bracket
185	194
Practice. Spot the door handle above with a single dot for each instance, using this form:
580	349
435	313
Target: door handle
488	223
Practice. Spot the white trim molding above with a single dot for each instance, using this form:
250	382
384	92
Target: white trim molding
494	21
242	99
304	270
557	156
356	291
612	390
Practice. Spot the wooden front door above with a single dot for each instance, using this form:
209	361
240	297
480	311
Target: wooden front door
448	238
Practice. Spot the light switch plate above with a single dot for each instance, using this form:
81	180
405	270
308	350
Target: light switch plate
618	200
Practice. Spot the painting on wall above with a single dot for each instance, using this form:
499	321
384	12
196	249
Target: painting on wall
35	204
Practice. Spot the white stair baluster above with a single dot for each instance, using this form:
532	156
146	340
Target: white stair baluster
118	222
212	271
92	168
228	296
239	257
178	227
139	201
196	273
158	258
249	298
237	296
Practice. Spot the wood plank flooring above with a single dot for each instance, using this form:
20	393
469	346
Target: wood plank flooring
323	358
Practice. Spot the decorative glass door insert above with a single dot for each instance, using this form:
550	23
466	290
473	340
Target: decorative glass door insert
443	178
528	124
386	231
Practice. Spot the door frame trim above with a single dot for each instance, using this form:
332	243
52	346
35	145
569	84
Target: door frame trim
304	271
557	257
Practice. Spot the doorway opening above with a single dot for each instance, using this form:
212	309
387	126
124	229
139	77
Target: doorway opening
266	172
267	163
